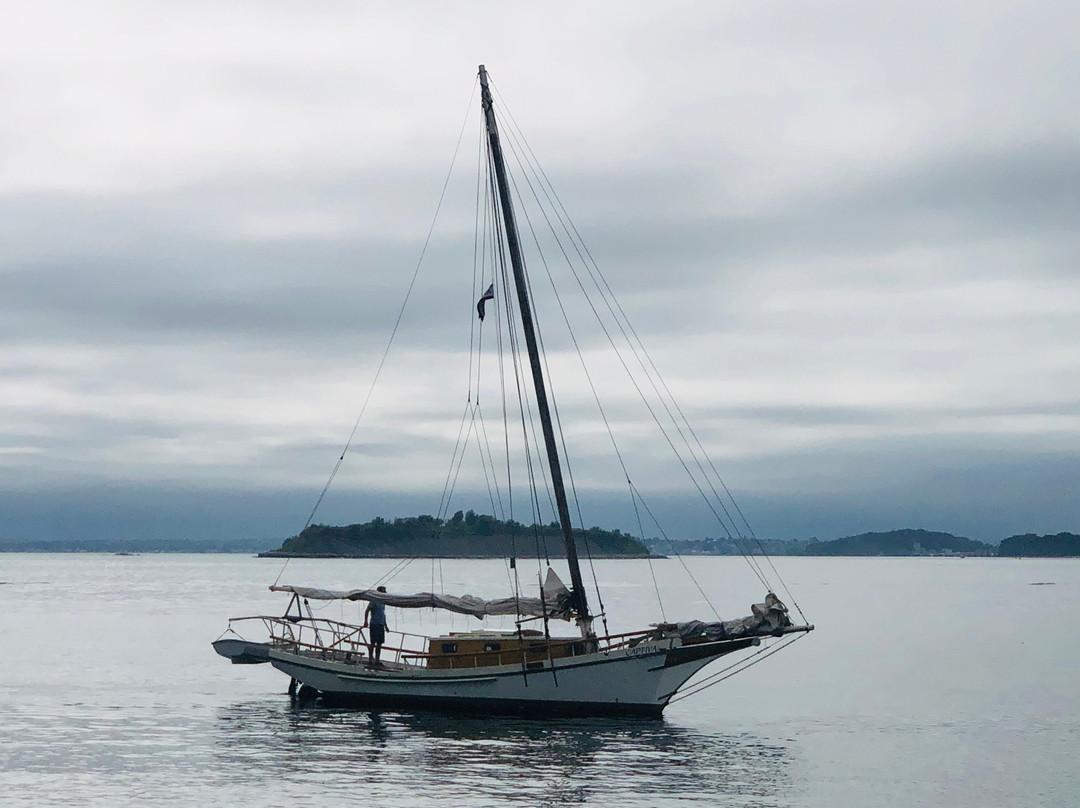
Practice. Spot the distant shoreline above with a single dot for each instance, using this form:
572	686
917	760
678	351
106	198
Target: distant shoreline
283	554
274	554
895	544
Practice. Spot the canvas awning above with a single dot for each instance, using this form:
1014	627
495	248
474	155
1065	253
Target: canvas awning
556	597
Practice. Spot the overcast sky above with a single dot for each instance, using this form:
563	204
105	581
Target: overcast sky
848	235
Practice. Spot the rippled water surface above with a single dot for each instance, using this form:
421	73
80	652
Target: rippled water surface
948	682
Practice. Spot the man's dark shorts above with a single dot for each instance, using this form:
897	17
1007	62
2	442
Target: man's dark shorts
378	634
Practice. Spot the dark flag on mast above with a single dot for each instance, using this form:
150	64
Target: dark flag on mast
488	295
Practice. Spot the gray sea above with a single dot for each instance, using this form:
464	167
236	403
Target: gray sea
928	682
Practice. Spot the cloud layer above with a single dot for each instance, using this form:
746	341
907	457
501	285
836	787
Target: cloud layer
847	236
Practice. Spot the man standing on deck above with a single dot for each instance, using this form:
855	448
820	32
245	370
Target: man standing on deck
376	615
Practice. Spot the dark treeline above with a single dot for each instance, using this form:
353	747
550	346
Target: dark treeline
907	542
1060	545
466	534
477	535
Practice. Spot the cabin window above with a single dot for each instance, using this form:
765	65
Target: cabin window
449	647
492	646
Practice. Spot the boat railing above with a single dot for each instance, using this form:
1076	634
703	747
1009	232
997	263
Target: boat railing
346	642
332	639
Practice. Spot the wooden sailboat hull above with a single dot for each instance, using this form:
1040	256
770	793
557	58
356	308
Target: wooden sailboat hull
628	681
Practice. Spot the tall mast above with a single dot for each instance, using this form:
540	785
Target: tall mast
521	284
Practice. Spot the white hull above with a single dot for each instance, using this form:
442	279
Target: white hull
638	680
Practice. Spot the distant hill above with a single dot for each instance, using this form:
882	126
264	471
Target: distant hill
1057	546
908	542
466	535
725	547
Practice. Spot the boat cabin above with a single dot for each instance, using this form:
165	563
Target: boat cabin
481	649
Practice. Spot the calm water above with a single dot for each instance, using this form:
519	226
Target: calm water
929	682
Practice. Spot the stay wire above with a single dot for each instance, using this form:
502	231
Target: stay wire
641	531
490	462
459	444
736	667
571	231
488	229
663	431
543	352
393	332
652	516
455	469
475	340
526	419
498	260
523	406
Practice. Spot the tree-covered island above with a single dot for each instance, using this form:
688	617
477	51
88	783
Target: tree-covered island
1061	545
465	535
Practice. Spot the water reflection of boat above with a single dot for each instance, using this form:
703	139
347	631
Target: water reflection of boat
525	671
472	760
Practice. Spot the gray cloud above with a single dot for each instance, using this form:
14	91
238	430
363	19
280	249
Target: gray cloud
847	236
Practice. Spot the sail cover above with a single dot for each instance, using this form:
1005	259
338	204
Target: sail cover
556	597
768	618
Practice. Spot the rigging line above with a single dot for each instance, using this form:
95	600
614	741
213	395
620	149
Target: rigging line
490	461
536	441
552	399
480	237
737	667
528	168
572	231
444	500
732	531
456	470
393	332
768	557
652	516
528	425
529	404
477	259
524	412
526	418
664	396
657	381
641	530
393	572
667	437
588	376
487	482
514	132
498	264
527	400
547	369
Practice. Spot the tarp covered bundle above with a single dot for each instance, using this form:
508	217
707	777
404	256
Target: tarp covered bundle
770	617
556	597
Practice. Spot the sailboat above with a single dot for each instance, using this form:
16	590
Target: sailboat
527	670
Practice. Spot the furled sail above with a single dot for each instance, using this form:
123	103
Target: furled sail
556	598
768	618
